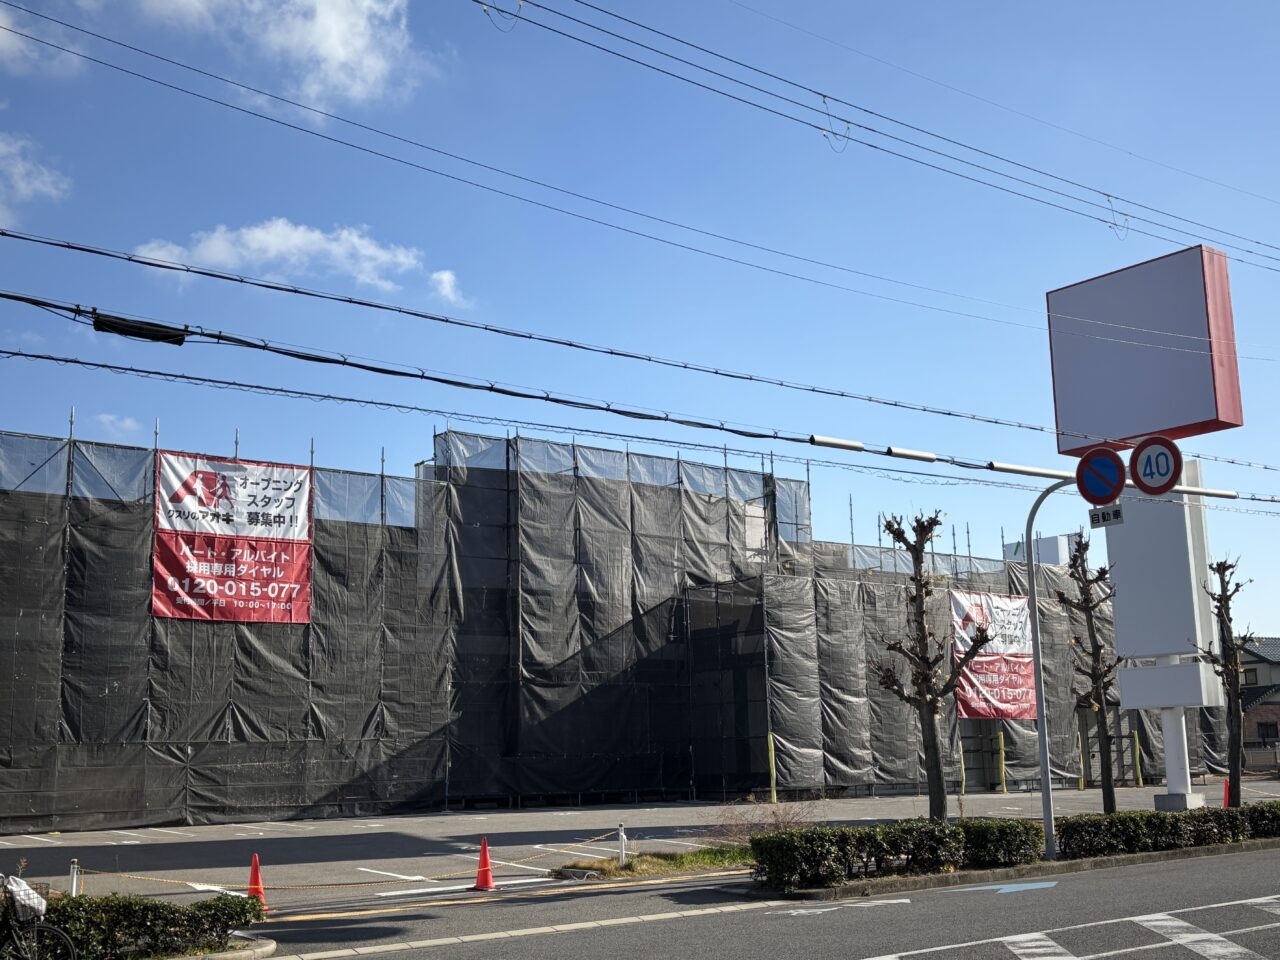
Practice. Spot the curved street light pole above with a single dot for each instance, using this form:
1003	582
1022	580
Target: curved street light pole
1042	712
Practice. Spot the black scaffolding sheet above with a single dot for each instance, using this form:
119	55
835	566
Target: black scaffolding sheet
524	618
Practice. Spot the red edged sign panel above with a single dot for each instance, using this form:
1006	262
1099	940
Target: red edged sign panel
1148	350
232	540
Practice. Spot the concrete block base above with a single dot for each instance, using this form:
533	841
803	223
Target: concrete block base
1176	802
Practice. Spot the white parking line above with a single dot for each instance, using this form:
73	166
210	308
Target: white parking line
176	833
398	876
505	863
32	836
504	882
683	843
578	851
210	888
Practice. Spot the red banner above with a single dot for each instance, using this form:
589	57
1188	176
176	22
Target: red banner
999	683
232	540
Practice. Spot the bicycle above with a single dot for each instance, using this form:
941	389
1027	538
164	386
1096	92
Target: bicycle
23	933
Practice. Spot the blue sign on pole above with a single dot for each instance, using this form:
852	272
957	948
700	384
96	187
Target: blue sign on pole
1100	476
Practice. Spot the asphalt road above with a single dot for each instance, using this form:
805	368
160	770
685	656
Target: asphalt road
346	884
1225	907
316	862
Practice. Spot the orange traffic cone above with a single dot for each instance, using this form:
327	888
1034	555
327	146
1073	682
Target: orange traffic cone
255	882
484	875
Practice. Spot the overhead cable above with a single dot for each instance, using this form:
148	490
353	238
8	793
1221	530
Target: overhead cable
826	98
631	211
888	473
690	366
1001	106
584	217
827	131
151	330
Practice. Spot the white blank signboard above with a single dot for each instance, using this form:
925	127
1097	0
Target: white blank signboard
1159	565
1146	350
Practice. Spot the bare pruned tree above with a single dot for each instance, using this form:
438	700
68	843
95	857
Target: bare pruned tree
932	670
1093	661
1227	665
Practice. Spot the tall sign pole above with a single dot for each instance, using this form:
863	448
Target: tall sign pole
1042	712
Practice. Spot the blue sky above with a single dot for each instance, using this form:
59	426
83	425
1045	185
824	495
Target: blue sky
95	156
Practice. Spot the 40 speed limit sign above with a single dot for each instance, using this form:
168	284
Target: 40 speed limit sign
1156	465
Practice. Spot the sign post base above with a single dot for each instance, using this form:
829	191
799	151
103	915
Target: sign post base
1178	802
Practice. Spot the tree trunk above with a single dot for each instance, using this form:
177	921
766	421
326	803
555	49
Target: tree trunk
933	761
1235	744
1106	761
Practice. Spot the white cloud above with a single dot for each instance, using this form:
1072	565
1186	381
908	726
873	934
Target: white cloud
335	50
23	178
24	338
117	426
22	56
280	245
445	284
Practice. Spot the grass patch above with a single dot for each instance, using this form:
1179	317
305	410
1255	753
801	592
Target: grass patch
660	864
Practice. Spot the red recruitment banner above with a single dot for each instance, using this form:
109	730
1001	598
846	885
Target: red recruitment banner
232	540
999	683
199	577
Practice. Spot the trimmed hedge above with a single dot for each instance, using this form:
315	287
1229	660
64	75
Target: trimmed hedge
1001	843
119	926
808	857
1142	831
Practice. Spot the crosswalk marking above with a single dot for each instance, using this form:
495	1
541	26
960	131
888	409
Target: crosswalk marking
1036	946
1206	944
1196	939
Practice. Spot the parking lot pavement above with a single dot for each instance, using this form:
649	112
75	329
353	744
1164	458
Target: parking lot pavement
380	859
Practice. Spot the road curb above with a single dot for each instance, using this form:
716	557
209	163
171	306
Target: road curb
964	878
259	947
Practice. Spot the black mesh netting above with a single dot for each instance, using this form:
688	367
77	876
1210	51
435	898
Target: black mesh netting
523	618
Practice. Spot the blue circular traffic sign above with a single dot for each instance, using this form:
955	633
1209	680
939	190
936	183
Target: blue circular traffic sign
1100	476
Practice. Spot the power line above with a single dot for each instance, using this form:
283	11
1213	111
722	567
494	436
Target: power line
168	333
75	310
890	473
825	98
828	132
584	217
593	220
1000	106
257	91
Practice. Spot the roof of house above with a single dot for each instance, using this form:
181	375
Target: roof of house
1252	696
1265	648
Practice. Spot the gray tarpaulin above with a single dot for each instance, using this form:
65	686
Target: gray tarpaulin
523	618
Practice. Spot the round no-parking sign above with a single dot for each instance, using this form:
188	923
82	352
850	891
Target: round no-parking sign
1100	476
1156	465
